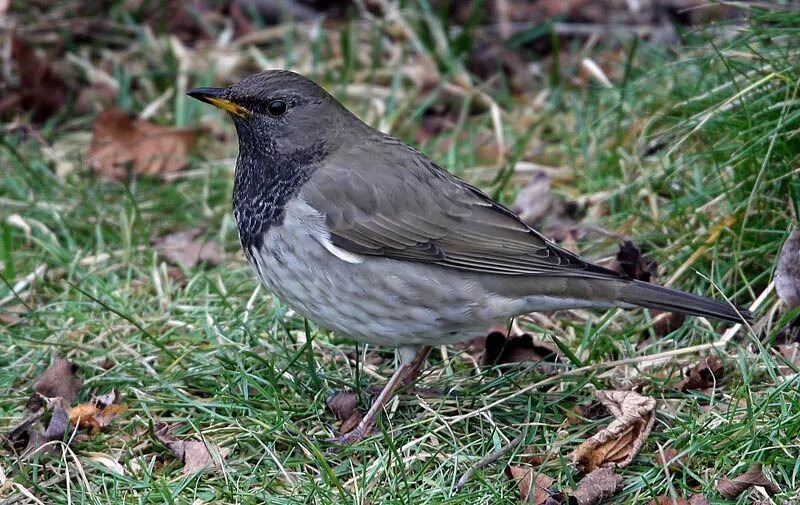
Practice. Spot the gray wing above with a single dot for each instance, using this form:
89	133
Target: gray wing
401	205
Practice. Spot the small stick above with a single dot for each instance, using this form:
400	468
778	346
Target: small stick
486	461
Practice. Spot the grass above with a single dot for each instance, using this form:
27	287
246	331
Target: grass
693	155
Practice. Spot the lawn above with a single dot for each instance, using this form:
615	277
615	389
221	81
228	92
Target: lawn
687	147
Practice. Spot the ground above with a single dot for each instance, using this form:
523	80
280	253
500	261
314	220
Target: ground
688	148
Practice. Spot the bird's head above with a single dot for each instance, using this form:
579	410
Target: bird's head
280	113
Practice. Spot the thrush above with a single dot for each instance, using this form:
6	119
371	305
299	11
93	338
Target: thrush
368	237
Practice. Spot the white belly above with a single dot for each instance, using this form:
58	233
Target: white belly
378	300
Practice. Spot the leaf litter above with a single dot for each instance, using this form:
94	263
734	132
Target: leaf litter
54	391
184	249
196	455
617	444
122	142
754	476
534	487
40	90
705	376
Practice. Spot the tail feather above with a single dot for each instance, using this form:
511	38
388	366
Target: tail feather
653	296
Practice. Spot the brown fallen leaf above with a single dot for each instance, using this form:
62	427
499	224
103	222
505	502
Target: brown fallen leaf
183	249
500	350
121	141
534	201
631	262
344	405
56	428
534	487
754	476
671	458
59	380
40	90
197	455
665	323
618	443
597	486
97	413
704	376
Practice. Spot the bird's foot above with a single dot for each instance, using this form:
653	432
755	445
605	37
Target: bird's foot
357	434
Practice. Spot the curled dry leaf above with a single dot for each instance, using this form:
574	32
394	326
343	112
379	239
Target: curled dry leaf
98	413
33	438
754	476
534	487
705	375
120	140
183	249
597	486
197	455
344	405
618	443
500	350
534	200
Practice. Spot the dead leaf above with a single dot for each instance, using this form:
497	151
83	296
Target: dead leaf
597	486
40	91
121	141
98	413
59	380
500	350
670	457
698	499
705	375
665	323
344	405
632	263
56	428
196	455
534	201
181	248
787	273
754	476
534	487
618	443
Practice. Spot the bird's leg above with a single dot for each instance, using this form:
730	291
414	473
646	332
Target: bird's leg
411	361
415	367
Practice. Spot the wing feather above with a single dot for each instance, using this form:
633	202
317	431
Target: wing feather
406	207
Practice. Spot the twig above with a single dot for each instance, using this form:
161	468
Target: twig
486	461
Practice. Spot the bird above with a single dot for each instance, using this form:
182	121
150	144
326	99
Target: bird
368	237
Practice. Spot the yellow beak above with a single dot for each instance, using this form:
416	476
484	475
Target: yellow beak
214	97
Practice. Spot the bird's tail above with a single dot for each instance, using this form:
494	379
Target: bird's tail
653	296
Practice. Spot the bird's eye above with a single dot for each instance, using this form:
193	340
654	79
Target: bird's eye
277	108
